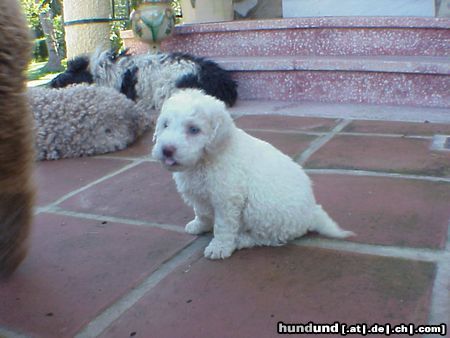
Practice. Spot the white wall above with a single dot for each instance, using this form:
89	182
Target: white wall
314	8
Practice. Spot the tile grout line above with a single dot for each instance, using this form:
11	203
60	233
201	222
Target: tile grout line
100	323
402	136
353	172
112	157
298	132
419	254
89	185
422	254
440	301
438	117
324	133
144	158
321	141
60	211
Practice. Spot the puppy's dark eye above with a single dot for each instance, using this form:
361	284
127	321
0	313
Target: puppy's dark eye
165	124
108	131
193	130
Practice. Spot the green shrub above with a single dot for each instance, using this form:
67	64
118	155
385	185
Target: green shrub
40	52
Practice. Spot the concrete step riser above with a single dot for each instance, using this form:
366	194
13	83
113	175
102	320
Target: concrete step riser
419	90
315	41
331	60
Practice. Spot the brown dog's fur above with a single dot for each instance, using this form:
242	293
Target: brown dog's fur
16	149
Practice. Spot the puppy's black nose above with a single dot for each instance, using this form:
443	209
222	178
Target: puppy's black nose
168	151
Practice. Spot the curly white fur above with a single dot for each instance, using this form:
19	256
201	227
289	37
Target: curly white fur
241	187
84	120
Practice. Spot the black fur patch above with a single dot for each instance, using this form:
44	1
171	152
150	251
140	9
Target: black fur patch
129	82
214	80
76	72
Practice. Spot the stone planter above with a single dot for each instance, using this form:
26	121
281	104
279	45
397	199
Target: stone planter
200	11
153	21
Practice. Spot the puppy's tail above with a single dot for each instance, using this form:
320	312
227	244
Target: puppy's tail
323	224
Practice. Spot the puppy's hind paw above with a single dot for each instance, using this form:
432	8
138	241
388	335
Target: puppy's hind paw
196	227
219	250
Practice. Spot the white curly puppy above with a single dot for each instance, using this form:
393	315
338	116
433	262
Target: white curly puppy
241	187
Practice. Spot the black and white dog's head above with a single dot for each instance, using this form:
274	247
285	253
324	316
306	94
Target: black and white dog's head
77	72
136	76
88	69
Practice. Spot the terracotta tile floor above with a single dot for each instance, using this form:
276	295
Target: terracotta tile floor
109	256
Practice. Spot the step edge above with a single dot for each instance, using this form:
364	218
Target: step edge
405	113
410	65
314	23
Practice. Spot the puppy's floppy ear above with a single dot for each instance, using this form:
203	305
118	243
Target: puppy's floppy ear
222	124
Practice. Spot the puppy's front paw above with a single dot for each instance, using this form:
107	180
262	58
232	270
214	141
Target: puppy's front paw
219	249
196	227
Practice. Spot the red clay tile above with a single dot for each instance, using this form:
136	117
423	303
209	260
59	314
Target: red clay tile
56	178
75	269
146	192
291	144
282	123
142	147
388	154
249	293
393	127
387	211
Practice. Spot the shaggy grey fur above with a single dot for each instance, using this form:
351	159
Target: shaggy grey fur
153	77
85	120
156	78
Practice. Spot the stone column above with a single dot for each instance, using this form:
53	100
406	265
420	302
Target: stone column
87	25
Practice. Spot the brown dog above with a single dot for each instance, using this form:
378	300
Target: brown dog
16	149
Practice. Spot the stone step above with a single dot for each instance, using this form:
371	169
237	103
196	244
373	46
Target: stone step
341	110
436	65
356	60
412	81
324	36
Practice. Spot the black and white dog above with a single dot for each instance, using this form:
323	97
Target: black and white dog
153	77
